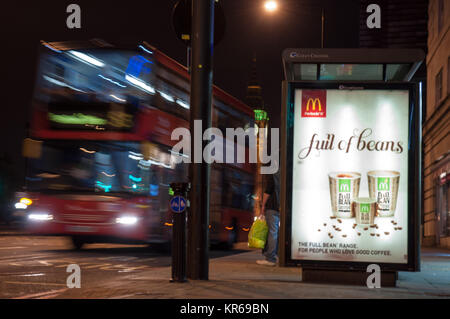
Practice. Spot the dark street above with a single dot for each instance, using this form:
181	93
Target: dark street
35	266
192	150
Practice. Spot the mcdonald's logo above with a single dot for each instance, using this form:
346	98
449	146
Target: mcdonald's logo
364	208
344	185
383	184
314	103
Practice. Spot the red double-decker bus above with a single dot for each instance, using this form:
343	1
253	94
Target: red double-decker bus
100	156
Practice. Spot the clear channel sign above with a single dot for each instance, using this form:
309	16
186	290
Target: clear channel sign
351	172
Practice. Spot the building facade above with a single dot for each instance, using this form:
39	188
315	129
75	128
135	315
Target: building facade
403	24
436	128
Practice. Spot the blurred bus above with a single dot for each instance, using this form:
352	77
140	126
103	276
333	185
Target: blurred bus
99	154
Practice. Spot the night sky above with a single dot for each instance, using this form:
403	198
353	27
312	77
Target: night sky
249	31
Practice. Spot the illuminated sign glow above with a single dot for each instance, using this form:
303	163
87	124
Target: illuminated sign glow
87	58
107	188
136	66
260	115
350	176
135	179
76	119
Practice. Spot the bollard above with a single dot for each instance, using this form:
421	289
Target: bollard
179	205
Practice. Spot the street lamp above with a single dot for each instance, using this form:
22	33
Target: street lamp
271	5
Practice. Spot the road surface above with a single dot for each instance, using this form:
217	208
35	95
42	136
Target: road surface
36	266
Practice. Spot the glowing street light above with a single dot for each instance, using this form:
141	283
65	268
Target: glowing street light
270	5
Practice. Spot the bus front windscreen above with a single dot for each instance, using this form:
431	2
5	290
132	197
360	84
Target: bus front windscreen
89	166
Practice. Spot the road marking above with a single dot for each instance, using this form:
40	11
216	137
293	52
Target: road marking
67	263
34	283
112	267
130	269
22	258
15	264
62	260
45	263
42	294
50	296
15	274
97	266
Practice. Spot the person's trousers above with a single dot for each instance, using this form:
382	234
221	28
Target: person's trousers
271	249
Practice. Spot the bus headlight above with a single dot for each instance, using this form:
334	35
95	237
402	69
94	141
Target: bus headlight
23	203
127	220
40	217
20	206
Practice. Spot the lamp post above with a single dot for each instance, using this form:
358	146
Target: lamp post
322	31
261	122
199	173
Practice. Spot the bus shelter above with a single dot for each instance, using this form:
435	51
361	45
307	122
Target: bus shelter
351	163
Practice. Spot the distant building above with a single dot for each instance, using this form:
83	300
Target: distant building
406	24
403	25
253	97
436	128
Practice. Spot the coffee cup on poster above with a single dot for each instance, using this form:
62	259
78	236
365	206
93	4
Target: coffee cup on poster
344	187
364	209
383	186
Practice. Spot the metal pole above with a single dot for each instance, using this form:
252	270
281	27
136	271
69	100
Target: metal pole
323	24
188	59
282	233
201	101
179	236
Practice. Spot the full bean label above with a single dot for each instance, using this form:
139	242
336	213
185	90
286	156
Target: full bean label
364	209
344	195
384	193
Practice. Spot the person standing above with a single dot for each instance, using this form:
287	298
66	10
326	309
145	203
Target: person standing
271	211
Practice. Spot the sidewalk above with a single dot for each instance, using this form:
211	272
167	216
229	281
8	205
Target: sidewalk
238	276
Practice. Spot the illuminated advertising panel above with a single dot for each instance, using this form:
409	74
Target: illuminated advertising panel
348	175
97	116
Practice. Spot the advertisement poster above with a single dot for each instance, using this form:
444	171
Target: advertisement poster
350	176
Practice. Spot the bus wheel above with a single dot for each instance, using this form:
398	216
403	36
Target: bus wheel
77	242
